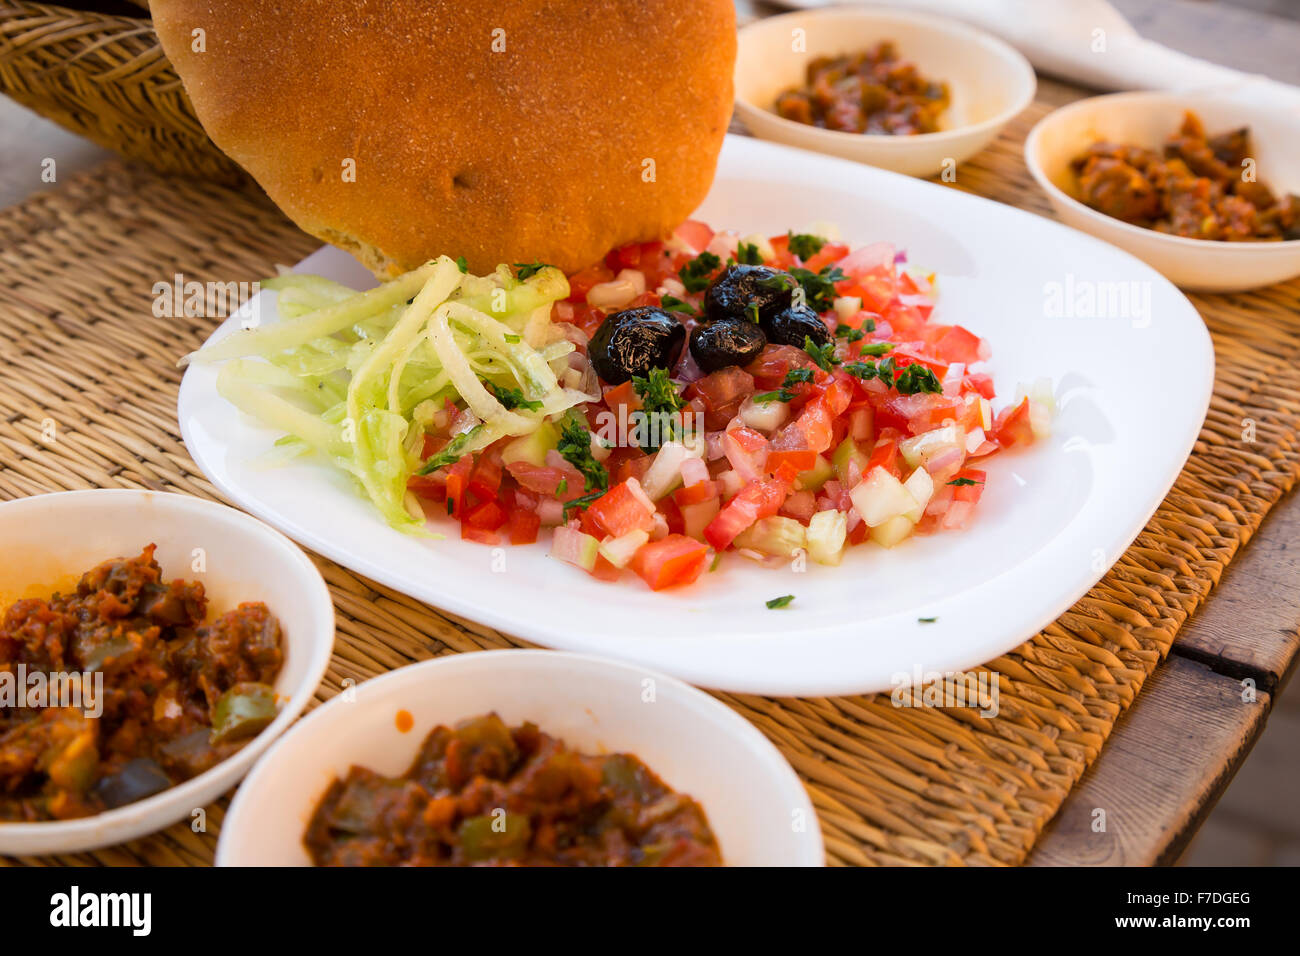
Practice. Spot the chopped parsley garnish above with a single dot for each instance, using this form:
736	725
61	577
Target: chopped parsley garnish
462	264
562	487
823	355
695	274
659	397
526	270
849	333
782	601
575	448
960	482
805	246
747	254
512	398
512	338
880	348
863	370
751	310
582	502
451	453
658	392
451	505
674	304
819	287
794	377
917	378
926	620
869	325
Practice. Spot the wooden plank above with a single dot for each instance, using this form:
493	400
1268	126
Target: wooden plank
1161	771
1250	624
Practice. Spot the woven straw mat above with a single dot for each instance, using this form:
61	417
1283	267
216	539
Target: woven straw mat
79	344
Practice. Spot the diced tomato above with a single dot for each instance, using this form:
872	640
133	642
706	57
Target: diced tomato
541	479
429	487
1011	427
587	318
815	423
622	396
800	460
523	526
620	511
694	494
695	234
432	445
956	344
485	476
831	252
672	516
722	392
884	455
760	499
487	515
458	485
582	281
481	535
981	383
672	561
770	368
969	492
624	257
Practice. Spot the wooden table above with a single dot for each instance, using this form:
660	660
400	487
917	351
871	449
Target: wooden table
1174	753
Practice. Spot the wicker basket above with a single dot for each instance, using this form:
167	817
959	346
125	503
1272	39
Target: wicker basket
105	77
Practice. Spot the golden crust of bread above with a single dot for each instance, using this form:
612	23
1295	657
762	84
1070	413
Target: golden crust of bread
501	130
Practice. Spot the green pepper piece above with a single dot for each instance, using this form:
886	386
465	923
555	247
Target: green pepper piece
242	712
478	841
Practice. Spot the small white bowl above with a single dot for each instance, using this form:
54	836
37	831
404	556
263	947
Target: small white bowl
1147	119
756	806
47	541
989	81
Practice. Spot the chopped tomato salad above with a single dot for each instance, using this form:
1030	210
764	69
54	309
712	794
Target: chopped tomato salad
767	396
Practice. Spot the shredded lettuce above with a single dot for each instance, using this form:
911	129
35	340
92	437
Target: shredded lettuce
355	376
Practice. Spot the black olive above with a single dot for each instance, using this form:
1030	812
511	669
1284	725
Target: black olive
726	342
790	326
634	341
731	294
136	780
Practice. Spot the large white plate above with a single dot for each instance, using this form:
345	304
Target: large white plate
1133	382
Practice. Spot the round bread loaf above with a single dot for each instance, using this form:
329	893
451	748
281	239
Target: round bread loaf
500	130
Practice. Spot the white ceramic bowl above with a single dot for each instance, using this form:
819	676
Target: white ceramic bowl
47	541
990	82
694	743
1146	119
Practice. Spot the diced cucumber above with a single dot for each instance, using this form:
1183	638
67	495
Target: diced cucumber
665	472
847	306
892	531
921	487
532	447
879	497
917	451
764	416
848	451
776	535
575	547
826	533
817	475
618	551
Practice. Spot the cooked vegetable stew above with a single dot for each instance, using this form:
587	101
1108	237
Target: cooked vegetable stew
1199	187
869	92
491	795
178	695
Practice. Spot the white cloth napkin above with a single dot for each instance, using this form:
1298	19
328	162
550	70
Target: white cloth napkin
1090	42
